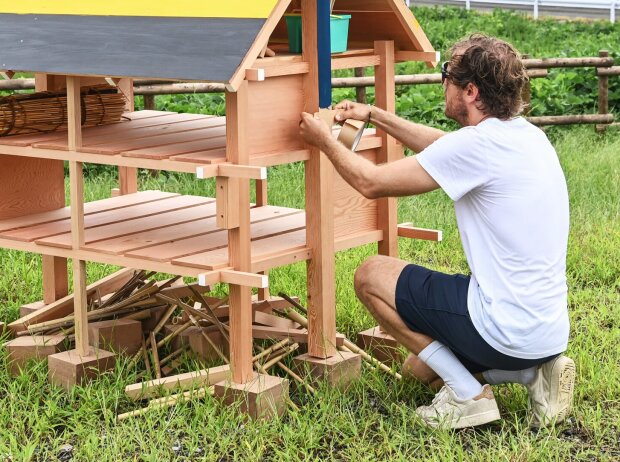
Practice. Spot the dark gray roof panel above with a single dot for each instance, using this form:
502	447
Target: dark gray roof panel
177	48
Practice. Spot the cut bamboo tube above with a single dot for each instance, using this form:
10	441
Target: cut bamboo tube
155	356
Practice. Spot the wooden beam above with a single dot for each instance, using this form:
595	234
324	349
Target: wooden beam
227	202
239	238
413	28
407	230
426	56
76	179
245	279
185	381
319	211
389	150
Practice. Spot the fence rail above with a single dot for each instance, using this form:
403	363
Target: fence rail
536	68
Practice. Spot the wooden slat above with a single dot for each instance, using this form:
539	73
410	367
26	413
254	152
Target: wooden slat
265	221
180	123
163	243
133	226
89	208
211	156
127	133
61	136
106	218
216	257
162	152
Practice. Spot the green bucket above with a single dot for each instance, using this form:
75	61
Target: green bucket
338	29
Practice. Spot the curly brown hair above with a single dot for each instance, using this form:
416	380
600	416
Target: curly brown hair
495	67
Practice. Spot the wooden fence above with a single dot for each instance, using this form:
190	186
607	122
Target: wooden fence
536	68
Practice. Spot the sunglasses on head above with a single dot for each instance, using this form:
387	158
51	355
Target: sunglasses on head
444	71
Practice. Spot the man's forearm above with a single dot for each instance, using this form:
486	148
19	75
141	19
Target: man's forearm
415	136
355	170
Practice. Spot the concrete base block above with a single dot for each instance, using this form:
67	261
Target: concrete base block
23	349
25	310
68	368
117	335
263	397
339	370
381	345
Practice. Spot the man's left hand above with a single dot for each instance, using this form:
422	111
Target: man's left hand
313	130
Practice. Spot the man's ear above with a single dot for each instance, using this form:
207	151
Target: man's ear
471	92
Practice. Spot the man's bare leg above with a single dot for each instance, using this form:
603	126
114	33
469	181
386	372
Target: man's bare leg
375	286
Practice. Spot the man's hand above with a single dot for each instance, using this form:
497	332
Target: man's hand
313	130
350	110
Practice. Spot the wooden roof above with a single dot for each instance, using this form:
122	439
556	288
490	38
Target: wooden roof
208	40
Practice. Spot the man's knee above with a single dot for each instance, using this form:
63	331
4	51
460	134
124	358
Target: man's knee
366	275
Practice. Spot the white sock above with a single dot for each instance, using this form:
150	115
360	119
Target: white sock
497	376
447	366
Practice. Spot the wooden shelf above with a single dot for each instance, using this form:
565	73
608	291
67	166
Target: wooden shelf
161	230
154	140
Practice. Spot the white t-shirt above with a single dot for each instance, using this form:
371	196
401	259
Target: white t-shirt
511	206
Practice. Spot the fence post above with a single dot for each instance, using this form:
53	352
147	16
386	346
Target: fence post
149	102
603	93
360	92
526	93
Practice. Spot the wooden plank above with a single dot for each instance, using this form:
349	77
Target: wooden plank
61	136
388	152
210	156
187	381
282	132
136	225
216	255
89	208
227	202
198	236
352	62
408	230
55	278
413	29
131	212
161	152
352	211
64	306
126	137
319	211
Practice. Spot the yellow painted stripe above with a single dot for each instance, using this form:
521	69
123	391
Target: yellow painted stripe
165	8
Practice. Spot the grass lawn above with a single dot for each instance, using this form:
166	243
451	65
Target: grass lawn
375	418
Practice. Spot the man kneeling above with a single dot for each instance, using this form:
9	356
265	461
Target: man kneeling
508	321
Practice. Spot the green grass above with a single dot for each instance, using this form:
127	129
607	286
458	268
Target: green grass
375	419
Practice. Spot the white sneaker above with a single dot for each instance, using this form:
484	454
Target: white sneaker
551	391
448	411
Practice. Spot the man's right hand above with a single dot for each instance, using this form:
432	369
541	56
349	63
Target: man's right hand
351	110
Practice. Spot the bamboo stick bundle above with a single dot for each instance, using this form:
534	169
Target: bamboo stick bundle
43	112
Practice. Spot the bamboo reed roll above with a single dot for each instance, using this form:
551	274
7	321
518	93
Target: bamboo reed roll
47	111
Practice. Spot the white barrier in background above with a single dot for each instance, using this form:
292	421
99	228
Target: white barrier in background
610	5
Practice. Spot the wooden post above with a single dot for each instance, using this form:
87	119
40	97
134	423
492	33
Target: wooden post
385	99
149	102
261	200
526	94
360	92
55	274
319	211
127	176
239	238
76	179
603	93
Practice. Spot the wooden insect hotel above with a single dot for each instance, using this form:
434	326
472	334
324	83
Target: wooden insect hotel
72	45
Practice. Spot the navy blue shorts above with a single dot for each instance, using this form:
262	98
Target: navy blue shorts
435	304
